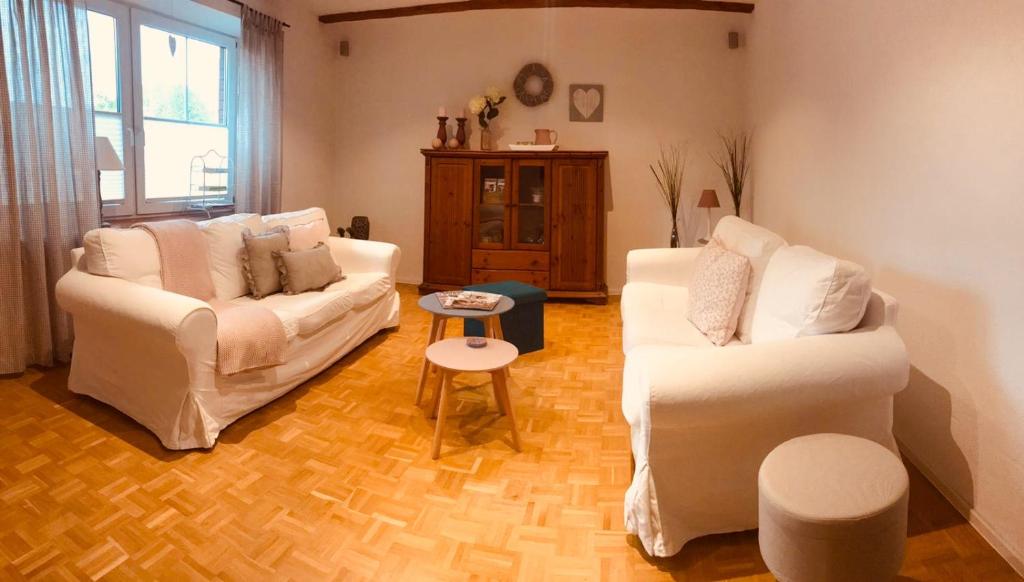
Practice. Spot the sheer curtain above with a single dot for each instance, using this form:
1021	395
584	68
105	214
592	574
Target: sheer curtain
48	185
258	127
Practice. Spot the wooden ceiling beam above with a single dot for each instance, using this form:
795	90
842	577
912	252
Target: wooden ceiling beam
467	5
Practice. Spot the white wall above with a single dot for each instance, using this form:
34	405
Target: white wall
668	76
892	133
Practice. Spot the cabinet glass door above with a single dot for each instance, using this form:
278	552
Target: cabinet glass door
531	199
491	205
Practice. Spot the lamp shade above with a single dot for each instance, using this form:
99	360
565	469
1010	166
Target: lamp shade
708	199
106	157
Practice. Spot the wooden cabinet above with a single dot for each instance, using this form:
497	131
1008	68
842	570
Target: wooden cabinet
524	216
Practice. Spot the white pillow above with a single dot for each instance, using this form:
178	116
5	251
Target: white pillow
805	292
126	253
757	244
302	237
224	237
300	217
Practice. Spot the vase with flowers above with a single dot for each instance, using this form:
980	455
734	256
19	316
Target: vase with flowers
485	107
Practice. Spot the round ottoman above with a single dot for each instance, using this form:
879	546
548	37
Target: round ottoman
832	507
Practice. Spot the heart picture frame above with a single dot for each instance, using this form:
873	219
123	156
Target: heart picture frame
586	102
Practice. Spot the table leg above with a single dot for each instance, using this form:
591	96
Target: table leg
435	324
498	377
435	450
499	333
435	398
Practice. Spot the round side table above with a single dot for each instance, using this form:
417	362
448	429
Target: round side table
439	323
453	356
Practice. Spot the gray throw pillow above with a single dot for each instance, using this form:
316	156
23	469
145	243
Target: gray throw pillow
258	260
307	270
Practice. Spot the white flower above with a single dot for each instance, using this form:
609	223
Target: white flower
493	94
476	105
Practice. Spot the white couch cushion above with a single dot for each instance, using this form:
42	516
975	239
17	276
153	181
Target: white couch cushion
655	314
757	244
224	237
126	253
302	237
306	313
300	217
805	292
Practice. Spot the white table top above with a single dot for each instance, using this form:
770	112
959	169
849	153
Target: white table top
433	305
454	354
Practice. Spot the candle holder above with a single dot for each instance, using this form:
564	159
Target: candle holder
460	134
442	129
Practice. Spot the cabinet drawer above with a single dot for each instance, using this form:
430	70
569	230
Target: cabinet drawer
511	260
535	278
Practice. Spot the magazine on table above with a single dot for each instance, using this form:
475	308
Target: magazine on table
468	300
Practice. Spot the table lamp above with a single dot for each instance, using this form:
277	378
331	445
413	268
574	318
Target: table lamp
709	200
106	160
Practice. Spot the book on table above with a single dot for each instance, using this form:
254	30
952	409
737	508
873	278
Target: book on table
478	300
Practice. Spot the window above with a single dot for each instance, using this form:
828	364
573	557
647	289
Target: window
163	93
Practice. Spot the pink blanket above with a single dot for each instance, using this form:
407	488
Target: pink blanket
248	336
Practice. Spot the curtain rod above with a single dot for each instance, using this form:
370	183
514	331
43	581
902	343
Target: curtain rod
242	4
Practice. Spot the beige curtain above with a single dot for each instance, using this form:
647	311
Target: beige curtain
48	184
258	127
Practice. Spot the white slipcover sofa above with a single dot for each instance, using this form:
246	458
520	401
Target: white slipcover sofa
703	418
152	354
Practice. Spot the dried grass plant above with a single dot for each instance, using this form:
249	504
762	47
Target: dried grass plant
734	162
669	172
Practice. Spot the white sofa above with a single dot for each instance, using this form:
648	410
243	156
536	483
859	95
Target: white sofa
151	353
703	417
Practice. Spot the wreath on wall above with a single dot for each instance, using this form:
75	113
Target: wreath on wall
533	85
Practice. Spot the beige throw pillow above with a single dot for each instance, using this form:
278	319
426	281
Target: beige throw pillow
307	270
258	260
718	291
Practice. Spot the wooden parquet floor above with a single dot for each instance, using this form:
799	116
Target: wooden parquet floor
335	481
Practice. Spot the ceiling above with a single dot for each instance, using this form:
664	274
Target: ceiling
333	6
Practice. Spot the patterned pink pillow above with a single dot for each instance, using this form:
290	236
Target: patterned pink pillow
717	291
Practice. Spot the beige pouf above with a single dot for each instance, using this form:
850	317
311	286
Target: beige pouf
832	507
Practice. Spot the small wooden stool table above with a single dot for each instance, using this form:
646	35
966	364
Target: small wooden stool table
439	323
453	356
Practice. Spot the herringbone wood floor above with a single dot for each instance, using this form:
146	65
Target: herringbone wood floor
334	481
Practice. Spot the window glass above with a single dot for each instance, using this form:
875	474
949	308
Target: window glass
106	97
183	88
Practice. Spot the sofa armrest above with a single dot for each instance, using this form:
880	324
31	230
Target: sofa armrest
146	311
665	266
691	387
365	256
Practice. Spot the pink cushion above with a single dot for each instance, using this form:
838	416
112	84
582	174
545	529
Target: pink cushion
717	292
303	237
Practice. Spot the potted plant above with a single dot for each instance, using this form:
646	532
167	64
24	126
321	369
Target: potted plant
669	173
734	163
485	107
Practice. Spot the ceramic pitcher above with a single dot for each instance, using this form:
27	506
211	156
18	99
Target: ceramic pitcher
545	136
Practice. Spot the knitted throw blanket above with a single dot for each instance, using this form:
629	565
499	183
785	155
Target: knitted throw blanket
248	336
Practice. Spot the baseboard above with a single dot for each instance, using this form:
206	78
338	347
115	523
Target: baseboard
960	504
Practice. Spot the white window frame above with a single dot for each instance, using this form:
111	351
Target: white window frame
129	22
122	17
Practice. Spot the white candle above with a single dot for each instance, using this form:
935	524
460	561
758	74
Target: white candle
442	112
463	112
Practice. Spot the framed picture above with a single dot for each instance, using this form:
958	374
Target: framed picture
586	102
